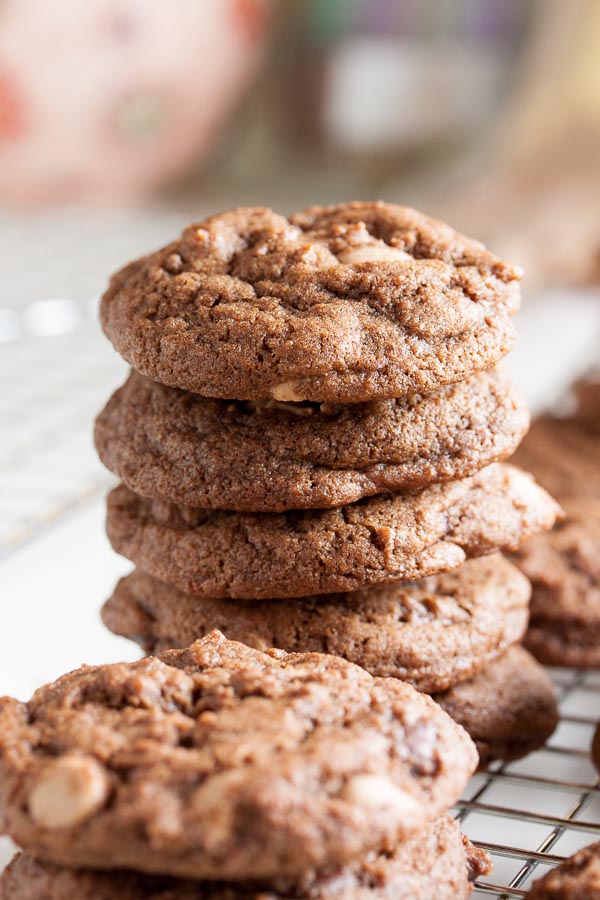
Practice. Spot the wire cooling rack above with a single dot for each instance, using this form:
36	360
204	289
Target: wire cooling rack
51	388
532	814
56	370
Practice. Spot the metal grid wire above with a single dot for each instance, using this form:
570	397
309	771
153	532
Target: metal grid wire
546	806
529	815
56	370
52	387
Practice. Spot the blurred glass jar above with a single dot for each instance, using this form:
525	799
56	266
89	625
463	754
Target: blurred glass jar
390	79
101	101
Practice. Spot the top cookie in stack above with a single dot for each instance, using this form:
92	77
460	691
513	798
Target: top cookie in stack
357	302
346	417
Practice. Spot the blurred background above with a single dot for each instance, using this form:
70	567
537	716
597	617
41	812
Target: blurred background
121	120
484	111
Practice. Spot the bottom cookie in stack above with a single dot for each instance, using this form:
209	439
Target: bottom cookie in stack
509	710
451	635
438	862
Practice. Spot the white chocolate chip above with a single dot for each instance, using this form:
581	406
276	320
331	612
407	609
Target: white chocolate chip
378	792
217	790
69	790
287	391
215	800
373	253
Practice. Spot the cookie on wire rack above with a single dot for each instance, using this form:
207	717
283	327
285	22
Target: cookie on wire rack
224	763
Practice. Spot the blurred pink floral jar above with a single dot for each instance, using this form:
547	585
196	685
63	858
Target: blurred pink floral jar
102	100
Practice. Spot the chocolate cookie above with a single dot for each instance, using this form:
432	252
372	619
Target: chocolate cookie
267	456
347	303
564	569
577	878
221	762
390	537
509	710
563	455
438	862
432	633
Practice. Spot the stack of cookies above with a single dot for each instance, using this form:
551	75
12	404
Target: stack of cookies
310	448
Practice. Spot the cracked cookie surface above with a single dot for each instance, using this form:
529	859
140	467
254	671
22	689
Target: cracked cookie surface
222	762
432	633
168	444
389	537
348	303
